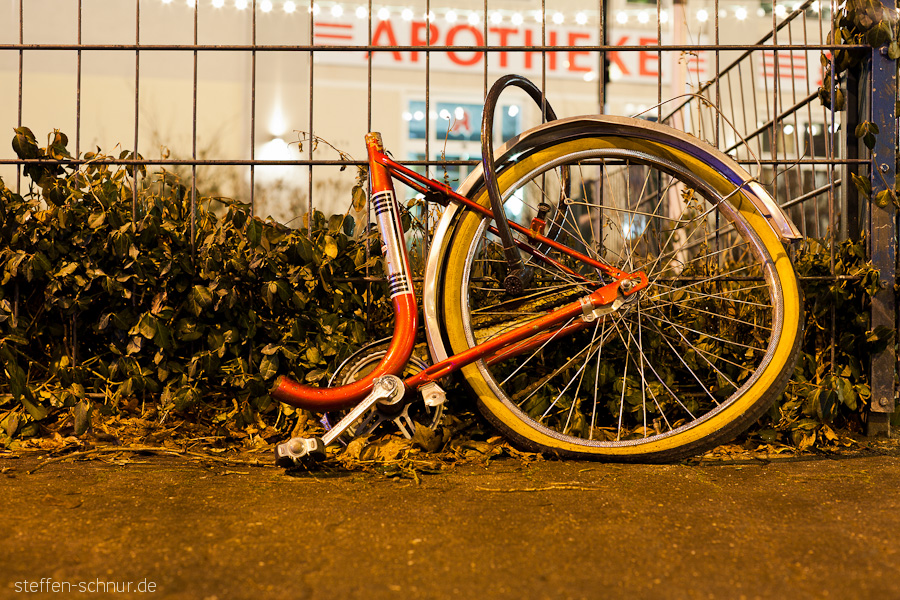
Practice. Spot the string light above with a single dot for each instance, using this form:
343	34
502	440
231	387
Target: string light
337	9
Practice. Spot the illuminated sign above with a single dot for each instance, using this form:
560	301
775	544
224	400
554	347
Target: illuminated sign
511	54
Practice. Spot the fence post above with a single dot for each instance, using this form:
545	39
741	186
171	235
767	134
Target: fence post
883	233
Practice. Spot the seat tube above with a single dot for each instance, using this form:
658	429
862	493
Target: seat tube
387	214
402	297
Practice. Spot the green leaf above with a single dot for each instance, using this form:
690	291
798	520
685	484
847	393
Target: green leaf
315	375
163	337
335	223
349	225
186	397
845	393
331	247
82	416
305	248
867	132
97	219
68	269
880	35
358	198
199	299
863	185
313	355
268	367
188	330
37	412
894	50
884	198
24	144
147	326
254	231
57	148
839	99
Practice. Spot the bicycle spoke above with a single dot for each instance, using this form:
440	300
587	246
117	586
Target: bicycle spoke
649	365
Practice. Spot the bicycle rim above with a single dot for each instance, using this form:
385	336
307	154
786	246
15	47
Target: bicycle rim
694	359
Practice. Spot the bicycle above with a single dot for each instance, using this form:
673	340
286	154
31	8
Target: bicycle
648	311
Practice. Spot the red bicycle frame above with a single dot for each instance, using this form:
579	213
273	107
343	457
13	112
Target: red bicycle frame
576	315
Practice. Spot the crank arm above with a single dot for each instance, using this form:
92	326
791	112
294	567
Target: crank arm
387	389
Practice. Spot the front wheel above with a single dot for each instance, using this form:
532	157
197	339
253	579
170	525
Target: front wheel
689	362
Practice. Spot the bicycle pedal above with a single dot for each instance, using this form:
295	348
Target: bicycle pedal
297	451
433	394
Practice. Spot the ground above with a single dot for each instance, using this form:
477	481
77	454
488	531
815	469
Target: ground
215	527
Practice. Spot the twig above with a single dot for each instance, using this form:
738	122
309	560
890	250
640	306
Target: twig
547	488
150	449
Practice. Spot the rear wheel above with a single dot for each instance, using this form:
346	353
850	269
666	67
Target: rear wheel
688	362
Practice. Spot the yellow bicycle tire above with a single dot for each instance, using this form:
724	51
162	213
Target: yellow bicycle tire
721	424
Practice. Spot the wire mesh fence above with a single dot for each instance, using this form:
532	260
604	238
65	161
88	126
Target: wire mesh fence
267	101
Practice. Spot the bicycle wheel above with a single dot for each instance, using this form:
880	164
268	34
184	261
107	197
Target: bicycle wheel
685	364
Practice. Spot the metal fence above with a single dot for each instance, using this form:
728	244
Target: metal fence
213	88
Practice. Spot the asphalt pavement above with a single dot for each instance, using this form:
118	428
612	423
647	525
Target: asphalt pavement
173	527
